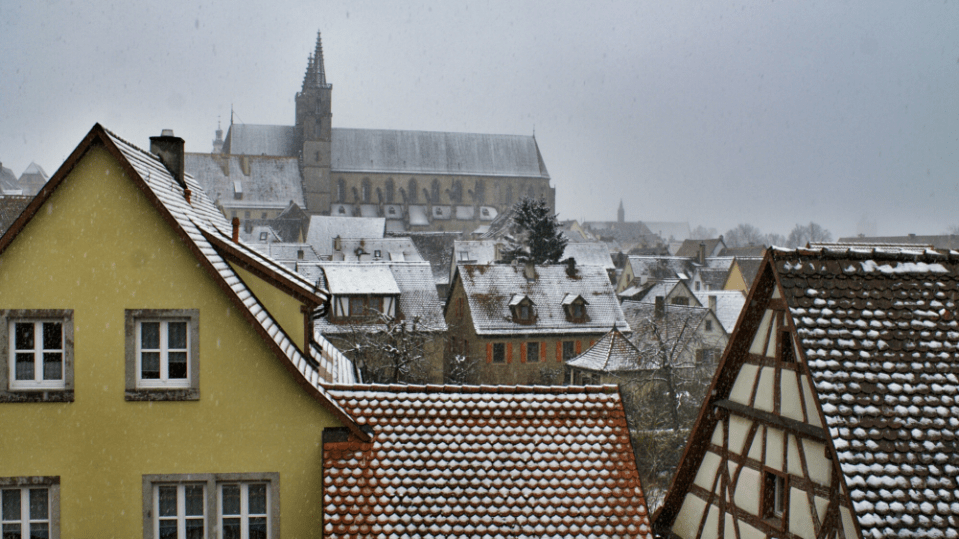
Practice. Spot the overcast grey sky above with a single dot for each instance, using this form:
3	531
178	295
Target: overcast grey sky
771	113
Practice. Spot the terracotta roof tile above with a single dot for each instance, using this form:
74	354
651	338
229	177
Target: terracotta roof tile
476	461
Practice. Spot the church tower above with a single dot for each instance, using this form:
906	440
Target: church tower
621	212
313	133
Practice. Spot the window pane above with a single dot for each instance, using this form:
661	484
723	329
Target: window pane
194	528
177	365
38	504
231	499
24	336
194	500
52	366
177	335
11	504
150	365
150	335
167	502
40	531
168	529
257	499
231	528
258	528
52	335
25	366
11	531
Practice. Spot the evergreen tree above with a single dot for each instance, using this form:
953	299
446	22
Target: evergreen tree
534	235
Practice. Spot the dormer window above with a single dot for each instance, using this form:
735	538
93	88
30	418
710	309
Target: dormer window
263	236
575	307
523	309
363	308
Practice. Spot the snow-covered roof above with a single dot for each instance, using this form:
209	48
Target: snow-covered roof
729	303
429	152
656	268
484	252
413	281
482	462
353	278
286	252
489	289
613	353
324	228
206	229
880	336
262	180
250	139
395	249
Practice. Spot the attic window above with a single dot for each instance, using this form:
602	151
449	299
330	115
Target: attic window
392	210
575	308
342	210
485	212
237	190
522	309
774	495
464	255
299	254
377	253
263	236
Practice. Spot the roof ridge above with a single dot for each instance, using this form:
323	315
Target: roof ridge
451	388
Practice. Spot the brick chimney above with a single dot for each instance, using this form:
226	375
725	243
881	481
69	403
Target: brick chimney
702	253
170	151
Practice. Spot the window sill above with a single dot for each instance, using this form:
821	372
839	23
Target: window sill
171	395
37	395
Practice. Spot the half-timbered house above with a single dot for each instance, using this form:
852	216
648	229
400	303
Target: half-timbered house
833	412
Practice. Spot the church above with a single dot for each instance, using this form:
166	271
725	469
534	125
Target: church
416	180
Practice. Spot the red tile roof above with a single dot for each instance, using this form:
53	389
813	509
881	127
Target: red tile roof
491	462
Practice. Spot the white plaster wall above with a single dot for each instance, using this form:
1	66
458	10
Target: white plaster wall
771	347
748	490
774	449
800	518
810	402
743	388
707	471
756	449
757	345
764	391
738	429
792	456
776	294
821	505
748	532
848	528
820	468
687	521
718	434
711	529
790	404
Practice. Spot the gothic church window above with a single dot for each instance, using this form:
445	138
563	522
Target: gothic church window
390	190
413	191
340	191
367	188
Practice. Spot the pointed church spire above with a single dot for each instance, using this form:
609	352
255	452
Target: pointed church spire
315	76
621	212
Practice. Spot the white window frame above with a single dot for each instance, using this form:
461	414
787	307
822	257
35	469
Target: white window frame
164	388
181	517
36	390
245	514
24	485
38	352
212	495
164	350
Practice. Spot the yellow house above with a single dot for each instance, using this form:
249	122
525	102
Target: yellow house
157	378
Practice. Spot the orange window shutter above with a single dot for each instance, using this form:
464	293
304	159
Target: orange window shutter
489	352
579	347
509	352
542	352
522	352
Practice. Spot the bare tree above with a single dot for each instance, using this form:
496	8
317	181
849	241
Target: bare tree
389	350
811	233
702	233
744	235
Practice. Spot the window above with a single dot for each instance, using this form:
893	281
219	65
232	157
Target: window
246	215
709	325
243	511
263	215
162	354
199	506
680	301
30	507
786	352
774	495
532	352
499	352
263	236
36	363
707	355
569	350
